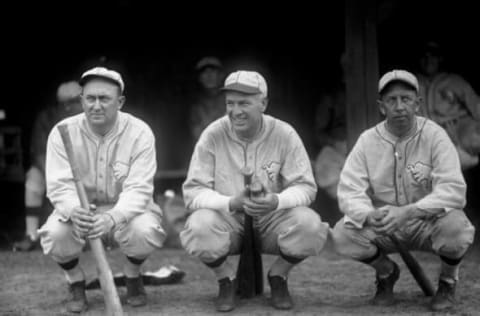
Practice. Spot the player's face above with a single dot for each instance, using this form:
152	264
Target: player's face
210	78
430	64
399	103
71	106
101	101
245	112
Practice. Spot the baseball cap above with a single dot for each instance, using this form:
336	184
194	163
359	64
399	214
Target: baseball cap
398	75
432	48
102	72
208	61
248	82
68	90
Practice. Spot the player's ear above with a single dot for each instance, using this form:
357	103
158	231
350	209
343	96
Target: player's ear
264	104
121	101
380	107
418	101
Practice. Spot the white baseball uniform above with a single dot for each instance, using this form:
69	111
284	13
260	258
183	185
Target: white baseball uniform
117	173
280	162
421	168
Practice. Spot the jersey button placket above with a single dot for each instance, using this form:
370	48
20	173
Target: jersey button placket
398	157
250	156
101	167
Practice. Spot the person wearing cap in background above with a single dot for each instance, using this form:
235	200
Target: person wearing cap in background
208	103
403	177
331	136
36	211
116	156
214	191
449	100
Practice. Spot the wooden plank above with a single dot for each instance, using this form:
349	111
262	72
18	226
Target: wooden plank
362	67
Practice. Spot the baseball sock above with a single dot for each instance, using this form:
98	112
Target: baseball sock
223	270
381	263
283	265
72	270
132	266
449	269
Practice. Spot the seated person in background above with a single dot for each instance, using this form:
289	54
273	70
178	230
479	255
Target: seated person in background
36	210
449	100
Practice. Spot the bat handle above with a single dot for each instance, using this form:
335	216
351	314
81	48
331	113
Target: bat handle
256	189
247	173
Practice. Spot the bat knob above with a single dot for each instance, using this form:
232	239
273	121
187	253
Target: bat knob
247	171
256	189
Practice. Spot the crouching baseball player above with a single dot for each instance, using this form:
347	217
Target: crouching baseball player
116	156
214	191
403	178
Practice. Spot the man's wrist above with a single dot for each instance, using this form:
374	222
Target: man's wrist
232	205
413	211
112	220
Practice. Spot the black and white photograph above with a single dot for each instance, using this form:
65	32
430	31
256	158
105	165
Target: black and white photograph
240	158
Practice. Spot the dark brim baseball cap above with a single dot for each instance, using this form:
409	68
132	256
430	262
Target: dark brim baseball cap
241	88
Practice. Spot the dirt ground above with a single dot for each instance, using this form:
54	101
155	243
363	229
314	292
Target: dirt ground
31	284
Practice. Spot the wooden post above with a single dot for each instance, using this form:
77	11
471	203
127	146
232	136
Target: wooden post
361	71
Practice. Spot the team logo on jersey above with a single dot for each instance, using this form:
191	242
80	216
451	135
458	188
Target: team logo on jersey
421	173
272	169
120	170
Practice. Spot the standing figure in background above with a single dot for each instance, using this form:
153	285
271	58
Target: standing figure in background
36	206
209	102
330	131
206	105
331	136
449	100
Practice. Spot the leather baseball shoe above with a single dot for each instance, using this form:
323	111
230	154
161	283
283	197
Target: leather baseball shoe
279	290
384	294
78	301
444	299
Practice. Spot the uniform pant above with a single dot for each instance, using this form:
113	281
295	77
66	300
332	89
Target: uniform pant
211	235
448	235
138	238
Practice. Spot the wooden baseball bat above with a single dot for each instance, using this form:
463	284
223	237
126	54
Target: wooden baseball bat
414	267
412	264
250	267
112	301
